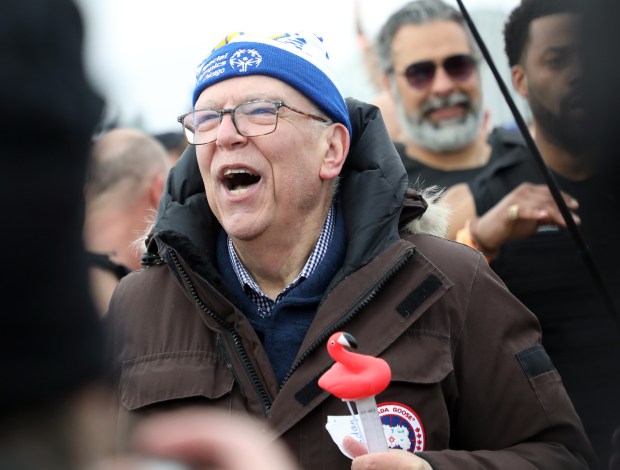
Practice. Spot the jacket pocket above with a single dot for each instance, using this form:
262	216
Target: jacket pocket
422	357
170	376
421	364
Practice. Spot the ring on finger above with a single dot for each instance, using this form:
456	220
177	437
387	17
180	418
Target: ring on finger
513	212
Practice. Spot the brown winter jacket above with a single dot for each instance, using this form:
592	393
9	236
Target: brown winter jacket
471	384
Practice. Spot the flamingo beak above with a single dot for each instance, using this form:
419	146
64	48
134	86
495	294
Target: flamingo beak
347	340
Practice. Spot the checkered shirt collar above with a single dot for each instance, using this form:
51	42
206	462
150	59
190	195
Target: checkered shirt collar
264	303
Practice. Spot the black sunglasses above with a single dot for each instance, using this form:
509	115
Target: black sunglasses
421	74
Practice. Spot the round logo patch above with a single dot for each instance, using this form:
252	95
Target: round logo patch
402	427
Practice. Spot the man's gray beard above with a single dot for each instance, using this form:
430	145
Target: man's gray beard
449	135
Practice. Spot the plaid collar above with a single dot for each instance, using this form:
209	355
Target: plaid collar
265	304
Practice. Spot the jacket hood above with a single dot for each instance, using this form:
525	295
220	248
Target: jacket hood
373	193
372	187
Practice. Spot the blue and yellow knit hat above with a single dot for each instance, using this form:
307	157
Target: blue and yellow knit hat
299	59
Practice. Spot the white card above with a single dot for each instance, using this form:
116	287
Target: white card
341	426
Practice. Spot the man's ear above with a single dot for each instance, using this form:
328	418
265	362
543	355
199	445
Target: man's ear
156	189
386	82
338	142
519	80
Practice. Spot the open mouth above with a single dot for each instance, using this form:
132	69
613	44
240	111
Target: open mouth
447	116
450	111
238	180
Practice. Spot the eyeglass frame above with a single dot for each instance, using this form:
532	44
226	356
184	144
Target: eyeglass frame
277	103
470	59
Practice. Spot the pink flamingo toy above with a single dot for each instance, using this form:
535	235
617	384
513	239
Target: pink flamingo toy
358	378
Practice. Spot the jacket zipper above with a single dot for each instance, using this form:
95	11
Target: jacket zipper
352	312
239	349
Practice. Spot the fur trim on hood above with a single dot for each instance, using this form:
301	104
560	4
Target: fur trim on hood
436	218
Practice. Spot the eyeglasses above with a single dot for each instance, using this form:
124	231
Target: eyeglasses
251	119
421	74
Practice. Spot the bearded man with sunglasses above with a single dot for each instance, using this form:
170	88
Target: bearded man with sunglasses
430	66
289	218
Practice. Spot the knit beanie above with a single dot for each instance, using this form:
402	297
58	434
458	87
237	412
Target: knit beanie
298	59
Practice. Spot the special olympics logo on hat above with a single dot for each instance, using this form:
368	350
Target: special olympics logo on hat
245	58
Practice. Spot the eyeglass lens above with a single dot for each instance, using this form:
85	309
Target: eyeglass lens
458	67
250	119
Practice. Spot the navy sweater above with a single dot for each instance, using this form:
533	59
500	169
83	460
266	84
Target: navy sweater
284	330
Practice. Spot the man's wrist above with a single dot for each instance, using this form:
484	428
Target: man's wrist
488	250
467	236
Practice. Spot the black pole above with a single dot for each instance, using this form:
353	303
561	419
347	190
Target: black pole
582	247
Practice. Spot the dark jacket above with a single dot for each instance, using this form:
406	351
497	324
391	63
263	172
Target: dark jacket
502	141
549	273
468	371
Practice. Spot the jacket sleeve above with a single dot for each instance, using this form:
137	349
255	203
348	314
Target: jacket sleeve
511	399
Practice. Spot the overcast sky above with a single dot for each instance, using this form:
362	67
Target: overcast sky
142	54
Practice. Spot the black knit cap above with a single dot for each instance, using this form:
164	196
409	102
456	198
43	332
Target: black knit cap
51	339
